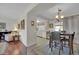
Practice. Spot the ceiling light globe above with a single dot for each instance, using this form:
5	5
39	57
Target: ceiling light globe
38	21
62	16
57	16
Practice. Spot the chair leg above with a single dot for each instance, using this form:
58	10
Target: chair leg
49	44
51	47
72	48
59	50
55	45
62	45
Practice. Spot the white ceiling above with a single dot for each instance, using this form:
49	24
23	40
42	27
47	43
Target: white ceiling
50	13
13	11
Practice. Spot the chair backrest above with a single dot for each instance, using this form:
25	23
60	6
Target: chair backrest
55	35
73	35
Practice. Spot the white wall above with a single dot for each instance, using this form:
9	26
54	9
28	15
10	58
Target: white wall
28	36
31	30
23	33
71	24
9	24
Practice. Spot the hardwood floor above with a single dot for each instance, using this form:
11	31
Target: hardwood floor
12	48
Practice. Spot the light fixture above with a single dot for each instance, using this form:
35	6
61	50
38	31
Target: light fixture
38	21
15	29
59	16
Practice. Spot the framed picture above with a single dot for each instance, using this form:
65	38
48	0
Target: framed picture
23	24
50	25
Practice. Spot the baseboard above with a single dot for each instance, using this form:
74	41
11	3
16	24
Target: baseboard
23	43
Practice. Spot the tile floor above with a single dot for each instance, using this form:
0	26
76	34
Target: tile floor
42	48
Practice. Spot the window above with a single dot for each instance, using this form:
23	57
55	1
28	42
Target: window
59	27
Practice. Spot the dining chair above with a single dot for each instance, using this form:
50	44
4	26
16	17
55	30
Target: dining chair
68	40
54	39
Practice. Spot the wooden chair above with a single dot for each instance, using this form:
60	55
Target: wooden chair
69	40
54	39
